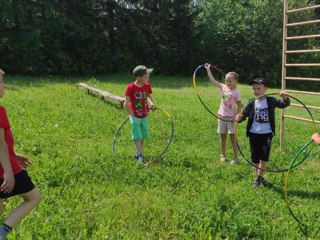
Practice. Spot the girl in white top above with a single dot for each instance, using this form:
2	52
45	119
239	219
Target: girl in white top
230	106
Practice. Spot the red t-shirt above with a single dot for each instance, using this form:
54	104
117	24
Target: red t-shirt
138	98
4	123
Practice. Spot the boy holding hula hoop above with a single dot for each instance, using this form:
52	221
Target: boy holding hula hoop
261	126
138	94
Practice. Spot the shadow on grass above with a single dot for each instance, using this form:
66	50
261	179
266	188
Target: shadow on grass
297	193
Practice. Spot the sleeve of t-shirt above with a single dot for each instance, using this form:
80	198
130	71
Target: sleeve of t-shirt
4	122
149	89
237	97
128	91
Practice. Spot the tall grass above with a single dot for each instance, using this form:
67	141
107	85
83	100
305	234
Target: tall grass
91	193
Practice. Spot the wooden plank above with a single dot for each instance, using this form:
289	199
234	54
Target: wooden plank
302	23
103	94
302	64
299	105
303	51
303	37
303	9
302	92
300	118
303	79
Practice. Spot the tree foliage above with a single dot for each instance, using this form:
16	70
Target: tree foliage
174	36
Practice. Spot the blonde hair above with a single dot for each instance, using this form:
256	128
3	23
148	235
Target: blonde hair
233	75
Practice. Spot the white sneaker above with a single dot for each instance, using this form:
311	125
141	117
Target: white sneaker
234	161
223	158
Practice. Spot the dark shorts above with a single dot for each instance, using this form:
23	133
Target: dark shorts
23	184
260	145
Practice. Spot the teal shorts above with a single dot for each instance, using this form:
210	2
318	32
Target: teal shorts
139	128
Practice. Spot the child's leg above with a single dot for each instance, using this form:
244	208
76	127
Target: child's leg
234	146
31	200
262	165
138	145
223	144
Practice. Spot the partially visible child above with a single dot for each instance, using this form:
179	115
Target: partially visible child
316	138
13	179
230	105
261	126
138	94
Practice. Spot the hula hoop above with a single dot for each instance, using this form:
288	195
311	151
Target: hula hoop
302	226
156	159
196	90
295	165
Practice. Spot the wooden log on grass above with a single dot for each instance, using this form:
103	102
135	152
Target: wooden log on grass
104	95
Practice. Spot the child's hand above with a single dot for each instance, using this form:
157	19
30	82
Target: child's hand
238	117
207	66
316	138
8	182
283	94
153	107
23	161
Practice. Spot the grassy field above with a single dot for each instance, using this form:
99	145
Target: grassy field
91	193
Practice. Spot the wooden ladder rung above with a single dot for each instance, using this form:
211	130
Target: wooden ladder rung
303	9
303	51
302	23
303	37
302	65
302	92
299	105
303	79
300	118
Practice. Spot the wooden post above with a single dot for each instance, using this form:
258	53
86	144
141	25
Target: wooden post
284	70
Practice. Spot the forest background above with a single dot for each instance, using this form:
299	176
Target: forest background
91	37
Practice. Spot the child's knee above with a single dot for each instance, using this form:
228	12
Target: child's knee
37	197
34	196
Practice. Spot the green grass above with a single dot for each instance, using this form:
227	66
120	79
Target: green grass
91	193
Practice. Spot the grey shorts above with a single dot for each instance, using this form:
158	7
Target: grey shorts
225	127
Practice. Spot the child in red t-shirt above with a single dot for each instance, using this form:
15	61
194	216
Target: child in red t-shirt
138	94
13	179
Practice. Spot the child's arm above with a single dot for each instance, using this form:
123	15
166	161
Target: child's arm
239	107
8	178
316	138
127	106
245	113
151	101
23	161
284	101
211	77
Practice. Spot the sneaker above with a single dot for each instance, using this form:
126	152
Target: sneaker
223	158
234	161
265	183
141	159
256	182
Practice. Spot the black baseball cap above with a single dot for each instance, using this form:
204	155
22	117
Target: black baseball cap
260	81
141	70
